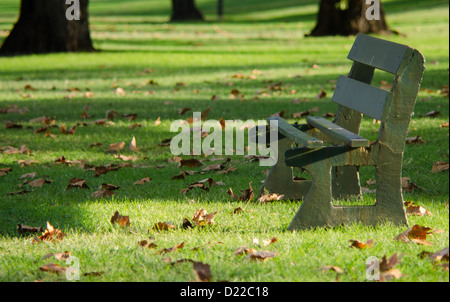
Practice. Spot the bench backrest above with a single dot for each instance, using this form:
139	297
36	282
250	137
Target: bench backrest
356	96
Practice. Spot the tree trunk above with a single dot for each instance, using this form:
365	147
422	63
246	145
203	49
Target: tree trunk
43	28
333	20
185	10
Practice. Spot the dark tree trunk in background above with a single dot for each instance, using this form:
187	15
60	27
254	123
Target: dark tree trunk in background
185	10
43	28
332	20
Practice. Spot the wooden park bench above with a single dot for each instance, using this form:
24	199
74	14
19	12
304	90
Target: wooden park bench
332	152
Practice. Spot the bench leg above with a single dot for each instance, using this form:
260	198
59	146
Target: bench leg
316	210
280	178
389	195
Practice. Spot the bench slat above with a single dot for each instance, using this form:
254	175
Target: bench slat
296	135
337	132
381	54
362	97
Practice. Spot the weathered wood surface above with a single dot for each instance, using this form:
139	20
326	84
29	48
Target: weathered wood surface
361	97
381	54
341	134
296	135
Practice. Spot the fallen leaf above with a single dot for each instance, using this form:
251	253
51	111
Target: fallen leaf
142	181
163	226
321	94
120	220
202	272
119	91
246	195
29	175
171	249
266	198
133	146
417	234
77	183
417	210
109	187
440	166
243	250
60	256
360	245
24	229
12	125
334	268
125	157
269	241
414	140
432	113
53	268
202	218
261	255
102	193
50	234
148	245
190	163
408	186
39	182
116	147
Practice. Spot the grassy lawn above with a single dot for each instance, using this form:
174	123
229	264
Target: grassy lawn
153	69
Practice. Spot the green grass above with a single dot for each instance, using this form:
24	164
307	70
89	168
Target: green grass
265	35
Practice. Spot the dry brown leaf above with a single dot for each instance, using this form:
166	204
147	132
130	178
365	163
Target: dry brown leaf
270	198
77	183
261	255
190	163
243	250
440	166
134	126
102	193
334	268
119	91
133	146
29	175
53	268
417	210
145	244
238	210
12	125
163	226
142	181
120	220
388	275
60	256
116	147
417	234
202	272
39	182
171	249
321	94
414	140
50	234
360	245
125	157
246	195
408	186
202	218
27	163
18	192
25	229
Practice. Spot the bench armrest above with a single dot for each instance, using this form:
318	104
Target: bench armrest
337	132
296	135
